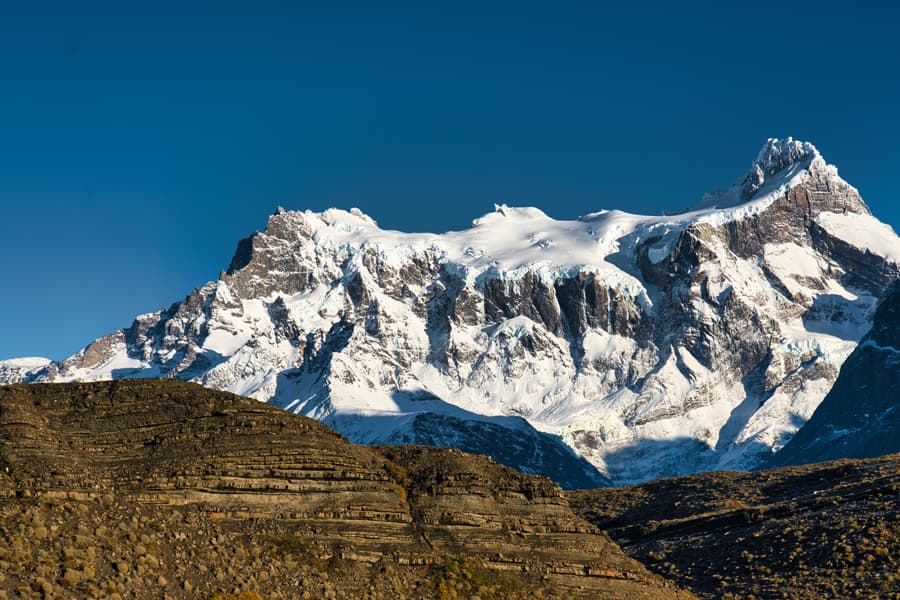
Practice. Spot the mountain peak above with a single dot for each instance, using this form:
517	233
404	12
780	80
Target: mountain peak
777	155
17	369
777	160
777	165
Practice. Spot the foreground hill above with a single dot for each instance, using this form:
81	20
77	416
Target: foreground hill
652	345
829	530
152	489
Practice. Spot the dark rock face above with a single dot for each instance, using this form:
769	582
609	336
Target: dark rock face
885	330
242	256
792	218
860	416
527	297
585	304
164	449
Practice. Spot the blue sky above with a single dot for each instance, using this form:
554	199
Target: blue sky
139	141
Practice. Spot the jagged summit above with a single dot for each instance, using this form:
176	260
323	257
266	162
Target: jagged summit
780	163
649	345
778	158
777	155
511	241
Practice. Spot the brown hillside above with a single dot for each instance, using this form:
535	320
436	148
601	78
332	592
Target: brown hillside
830	530
155	489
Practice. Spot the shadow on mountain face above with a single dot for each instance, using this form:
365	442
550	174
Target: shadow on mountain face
835	315
203	362
671	458
425	419
860	416
755	395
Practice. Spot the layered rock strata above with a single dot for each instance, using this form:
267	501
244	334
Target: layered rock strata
252	475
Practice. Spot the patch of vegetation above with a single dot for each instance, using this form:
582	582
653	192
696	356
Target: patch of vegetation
455	577
289	544
156	489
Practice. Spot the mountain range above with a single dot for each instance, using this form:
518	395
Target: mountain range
613	348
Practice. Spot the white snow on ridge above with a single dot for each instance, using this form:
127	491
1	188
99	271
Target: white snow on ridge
862	231
14	370
511	242
26	362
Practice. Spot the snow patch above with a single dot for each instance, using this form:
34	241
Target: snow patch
25	362
864	232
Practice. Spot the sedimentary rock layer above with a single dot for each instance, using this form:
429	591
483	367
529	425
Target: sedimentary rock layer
168	452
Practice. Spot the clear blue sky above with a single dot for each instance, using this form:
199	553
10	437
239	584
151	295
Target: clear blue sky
140	140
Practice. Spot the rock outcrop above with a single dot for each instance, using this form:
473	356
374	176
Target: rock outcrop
166	488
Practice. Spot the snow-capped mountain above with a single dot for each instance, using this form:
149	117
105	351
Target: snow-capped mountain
652	346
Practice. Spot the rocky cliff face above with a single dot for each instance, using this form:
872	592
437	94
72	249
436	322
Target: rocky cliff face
155	488
650	346
860	416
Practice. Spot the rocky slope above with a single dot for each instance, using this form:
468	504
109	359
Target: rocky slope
860	416
152	489
650	346
828	530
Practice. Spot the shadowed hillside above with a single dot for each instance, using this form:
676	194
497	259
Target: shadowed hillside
829	530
